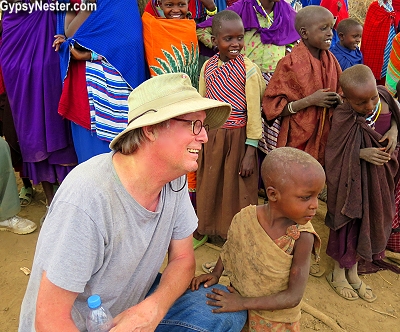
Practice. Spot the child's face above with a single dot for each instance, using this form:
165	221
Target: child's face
351	39
363	100
298	199
318	34
229	39
174	9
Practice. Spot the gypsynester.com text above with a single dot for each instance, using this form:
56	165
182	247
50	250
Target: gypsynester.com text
14	7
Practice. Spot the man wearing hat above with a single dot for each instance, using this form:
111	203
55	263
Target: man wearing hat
115	217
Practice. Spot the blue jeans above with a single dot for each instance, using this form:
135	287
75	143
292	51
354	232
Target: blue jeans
191	313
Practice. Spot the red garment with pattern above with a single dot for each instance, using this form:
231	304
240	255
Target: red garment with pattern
375	36
227	83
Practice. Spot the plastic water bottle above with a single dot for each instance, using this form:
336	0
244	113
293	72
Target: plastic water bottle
99	318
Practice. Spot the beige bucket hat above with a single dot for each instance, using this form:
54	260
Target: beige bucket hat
167	96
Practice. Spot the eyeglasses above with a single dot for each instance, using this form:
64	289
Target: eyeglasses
197	125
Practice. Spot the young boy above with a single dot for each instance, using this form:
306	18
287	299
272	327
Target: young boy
347	50
361	163
267	254
227	178
304	88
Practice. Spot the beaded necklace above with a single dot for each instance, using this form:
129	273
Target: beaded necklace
375	114
268	16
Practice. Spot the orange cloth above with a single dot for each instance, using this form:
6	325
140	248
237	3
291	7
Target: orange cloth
297	76
171	46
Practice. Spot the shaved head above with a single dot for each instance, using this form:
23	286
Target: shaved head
225	15
355	77
309	15
282	165
346	25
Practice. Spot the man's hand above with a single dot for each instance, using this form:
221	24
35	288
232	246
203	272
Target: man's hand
141	317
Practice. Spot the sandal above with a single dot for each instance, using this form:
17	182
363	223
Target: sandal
208	267
338	286
316	270
199	243
361	289
26	195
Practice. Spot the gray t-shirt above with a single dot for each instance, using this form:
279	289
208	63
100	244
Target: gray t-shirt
97	239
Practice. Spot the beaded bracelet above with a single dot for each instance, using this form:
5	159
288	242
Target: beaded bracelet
290	108
212	13
94	56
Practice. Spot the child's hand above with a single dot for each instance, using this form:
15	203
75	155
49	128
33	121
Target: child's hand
391	136
324	98
59	39
247	165
80	55
376	156
209	279
228	302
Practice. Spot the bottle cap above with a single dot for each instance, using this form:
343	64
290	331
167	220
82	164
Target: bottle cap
94	301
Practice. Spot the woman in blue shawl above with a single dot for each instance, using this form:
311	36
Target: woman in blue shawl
107	45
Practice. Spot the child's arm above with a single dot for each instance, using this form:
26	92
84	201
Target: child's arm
391	136
322	98
255	88
74	21
289	298
392	133
209	4
209	279
202	82
204	35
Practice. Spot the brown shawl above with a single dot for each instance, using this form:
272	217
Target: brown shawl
358	189
256	266
297	76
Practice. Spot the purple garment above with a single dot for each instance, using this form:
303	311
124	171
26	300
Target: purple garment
33	83
281	32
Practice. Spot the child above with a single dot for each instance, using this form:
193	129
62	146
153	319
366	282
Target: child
347	50
198	8
227	177
304	88
269	35
267	254
98	76
171	42
361	163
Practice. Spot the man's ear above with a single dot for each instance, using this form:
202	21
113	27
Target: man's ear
150	133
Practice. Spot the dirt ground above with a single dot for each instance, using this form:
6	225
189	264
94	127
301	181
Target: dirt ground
383	315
